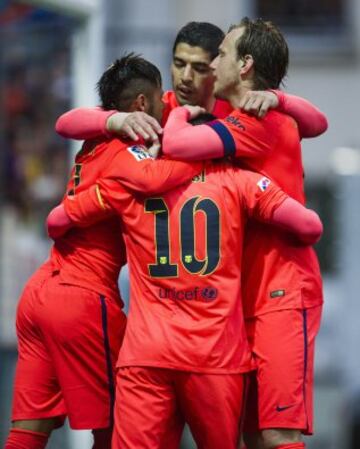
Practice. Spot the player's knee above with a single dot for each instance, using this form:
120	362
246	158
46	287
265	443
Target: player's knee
271	438
35	425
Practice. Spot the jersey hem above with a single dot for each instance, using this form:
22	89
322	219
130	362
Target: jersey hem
192	369
285	307
107	293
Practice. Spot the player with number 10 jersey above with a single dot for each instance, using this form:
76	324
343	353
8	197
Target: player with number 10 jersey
185	331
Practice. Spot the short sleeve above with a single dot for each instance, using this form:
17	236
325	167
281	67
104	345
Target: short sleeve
260	196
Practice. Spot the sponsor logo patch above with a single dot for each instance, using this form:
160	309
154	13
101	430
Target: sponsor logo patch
236	122
139	152
200	177
263	184
205	294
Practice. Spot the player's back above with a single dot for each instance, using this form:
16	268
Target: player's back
283	164
185	262
278	273
91	257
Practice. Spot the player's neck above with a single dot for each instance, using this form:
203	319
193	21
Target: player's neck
210	103
238	94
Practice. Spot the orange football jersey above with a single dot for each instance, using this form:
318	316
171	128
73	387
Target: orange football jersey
277	272
184	253
92	256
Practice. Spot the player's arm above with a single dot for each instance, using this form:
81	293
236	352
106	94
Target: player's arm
267	202
83	123
239	135
135	170
294	217
88	207
100	201
89	123
58	222
310	120
130	170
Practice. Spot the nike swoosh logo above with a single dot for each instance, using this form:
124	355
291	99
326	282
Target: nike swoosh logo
280	408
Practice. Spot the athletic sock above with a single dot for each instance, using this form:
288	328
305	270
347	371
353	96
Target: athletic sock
291	446
102	438
26	439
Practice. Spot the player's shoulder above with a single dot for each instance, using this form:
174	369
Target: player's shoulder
91	148
272	118
287	125
222	171
278	116
169	98
168	95
251	178
280	120
125	151
116	143
222	108
118	146
240	119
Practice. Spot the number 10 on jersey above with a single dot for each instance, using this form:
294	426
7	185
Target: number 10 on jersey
164	266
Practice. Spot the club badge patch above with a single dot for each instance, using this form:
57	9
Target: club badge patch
263	184
139	152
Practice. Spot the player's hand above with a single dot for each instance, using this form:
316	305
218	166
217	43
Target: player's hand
58	222
195	111
258	102
133	125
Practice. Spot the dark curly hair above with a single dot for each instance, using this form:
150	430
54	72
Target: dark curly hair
125	79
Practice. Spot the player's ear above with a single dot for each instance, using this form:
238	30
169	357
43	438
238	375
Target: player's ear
140	102
246	64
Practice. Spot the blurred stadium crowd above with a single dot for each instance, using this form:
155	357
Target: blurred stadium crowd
35	88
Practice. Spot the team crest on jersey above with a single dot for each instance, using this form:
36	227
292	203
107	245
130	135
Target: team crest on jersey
139	152
263	184
200	177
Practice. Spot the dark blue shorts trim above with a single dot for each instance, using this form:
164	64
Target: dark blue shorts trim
305	332
109	368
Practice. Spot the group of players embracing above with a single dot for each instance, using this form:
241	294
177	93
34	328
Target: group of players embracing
200	190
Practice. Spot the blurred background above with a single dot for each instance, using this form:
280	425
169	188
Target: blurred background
51	55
